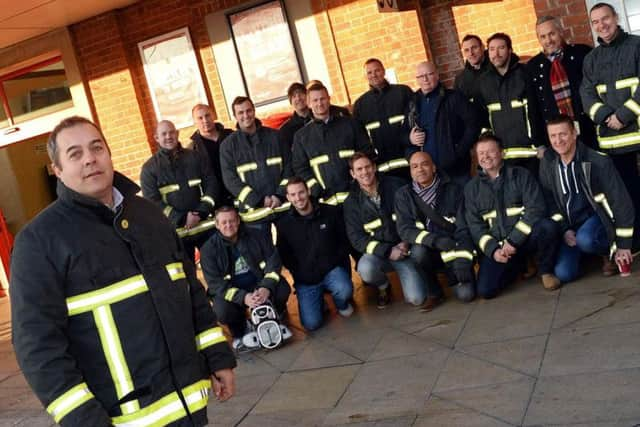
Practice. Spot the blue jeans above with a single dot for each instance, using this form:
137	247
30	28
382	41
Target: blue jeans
591	238
415	285
311	297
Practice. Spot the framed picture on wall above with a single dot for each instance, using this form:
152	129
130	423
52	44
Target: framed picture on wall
173	76
265	51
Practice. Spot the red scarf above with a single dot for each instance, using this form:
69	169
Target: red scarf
560	85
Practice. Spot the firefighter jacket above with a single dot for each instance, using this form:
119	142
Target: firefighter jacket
291	126
110	324
610	85
382	113
211	149
603	188
544	103
506	100
457	127
446	231
370	229
502	209
253	167
181	182
321	153
313	245
257	250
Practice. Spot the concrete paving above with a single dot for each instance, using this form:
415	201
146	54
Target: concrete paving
527	358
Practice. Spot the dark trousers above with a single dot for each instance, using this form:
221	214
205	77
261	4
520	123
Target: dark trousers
627	166
543	241
235	315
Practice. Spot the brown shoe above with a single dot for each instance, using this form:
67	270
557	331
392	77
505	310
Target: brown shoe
430	303
609	268
550	282
530	271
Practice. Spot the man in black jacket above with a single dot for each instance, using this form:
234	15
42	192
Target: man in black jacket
475	65
242	269
554	77
445	124
430	215
180	181
297	94
370	222
110	324
381	110
313	246
587	197
506	214
206	140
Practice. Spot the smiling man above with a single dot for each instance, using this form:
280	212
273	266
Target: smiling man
475	65
587	198
110	324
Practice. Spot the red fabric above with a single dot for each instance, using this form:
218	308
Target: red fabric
560	85
274	121
6	243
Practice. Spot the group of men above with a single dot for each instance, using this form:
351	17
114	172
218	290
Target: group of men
391	186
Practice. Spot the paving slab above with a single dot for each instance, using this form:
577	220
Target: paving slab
389	422
309	418
354	340
592	350
586	398
600	308
396	343
389	388
317	354
444	413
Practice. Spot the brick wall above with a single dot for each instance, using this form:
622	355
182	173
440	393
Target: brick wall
572	14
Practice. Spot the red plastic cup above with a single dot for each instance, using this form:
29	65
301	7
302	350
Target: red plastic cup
625	268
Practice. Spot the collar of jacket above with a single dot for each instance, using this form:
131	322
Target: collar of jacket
258	127
514	61
316	209
484	177
219	127
440	91
620	37
242	232
124	185
483	65
578	156
385	87
171	154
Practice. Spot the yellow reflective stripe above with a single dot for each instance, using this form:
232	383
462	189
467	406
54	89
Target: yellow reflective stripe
69	400
194	182
167	211
202	226
494	107
244	193
420	225
448	256
273	276
244	168
633	106
274	161
516	103
523	227
311	182
396	119
489	215
421	236
624	232
176	271
209	200
255	214
169	408
370	226
601	88
451	219
619	141
631	82
315	163
484	239
231	292
227	277
594	110
394	217
602	199
612	249
284	182
393	164
372	125
336	199
520	152
557	217
371	246
166	190
108	295
345	154
209	337
283	207
262	264
110	340
515	210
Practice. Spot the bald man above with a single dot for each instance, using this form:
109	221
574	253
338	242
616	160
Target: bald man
442	123
429	214
182	183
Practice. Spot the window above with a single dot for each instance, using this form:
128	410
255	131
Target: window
34	91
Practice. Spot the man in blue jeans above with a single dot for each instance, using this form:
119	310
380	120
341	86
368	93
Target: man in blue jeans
313	246
588	199
371	228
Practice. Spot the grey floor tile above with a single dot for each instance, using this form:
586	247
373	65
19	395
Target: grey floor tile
572	351
318	354
282	358
586	398
355	341
406	421
397	343
307	390
389	388
506	401
520	354
442	325
251	364
443	413
462	371
309	418
594	281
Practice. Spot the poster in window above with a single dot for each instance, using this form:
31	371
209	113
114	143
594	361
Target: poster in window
265	51
173	76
